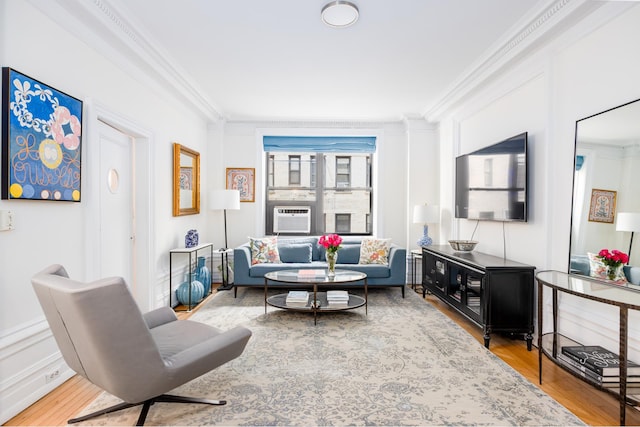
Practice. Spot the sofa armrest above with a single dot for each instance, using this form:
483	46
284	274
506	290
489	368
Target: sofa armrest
241	264
159	316
397	264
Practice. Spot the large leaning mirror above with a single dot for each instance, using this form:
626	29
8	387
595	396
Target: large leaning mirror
186	181
606	190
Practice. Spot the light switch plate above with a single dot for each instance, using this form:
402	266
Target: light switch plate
6	220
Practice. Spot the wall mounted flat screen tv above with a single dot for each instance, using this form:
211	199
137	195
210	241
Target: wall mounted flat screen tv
491	183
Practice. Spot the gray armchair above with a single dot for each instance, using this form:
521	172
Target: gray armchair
136	357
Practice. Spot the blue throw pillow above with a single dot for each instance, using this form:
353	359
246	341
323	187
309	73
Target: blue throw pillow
295	252
349	254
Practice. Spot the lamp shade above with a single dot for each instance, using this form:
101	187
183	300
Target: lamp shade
628	221
224	199
426	214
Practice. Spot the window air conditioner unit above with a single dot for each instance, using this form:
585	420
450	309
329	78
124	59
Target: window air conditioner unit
292	219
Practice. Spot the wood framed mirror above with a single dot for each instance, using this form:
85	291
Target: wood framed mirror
186	181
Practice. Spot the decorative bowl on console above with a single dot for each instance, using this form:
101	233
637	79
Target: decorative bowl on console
463	245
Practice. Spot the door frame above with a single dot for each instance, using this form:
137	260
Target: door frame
142	139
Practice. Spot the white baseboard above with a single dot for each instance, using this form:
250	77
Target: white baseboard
31	366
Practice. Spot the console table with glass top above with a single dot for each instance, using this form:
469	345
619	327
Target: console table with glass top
625	297
305	278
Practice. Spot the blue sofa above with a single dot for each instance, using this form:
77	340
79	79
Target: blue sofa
295	254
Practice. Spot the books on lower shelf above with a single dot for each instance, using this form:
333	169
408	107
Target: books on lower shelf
599	365
337	297
297	298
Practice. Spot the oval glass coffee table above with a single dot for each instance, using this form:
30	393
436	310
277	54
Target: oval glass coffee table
314	279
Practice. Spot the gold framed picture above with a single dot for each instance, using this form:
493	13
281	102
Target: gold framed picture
243	180
603	206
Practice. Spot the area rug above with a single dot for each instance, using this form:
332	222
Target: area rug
403	363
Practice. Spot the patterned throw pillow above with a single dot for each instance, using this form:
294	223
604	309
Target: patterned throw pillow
598	269
264	250
374	251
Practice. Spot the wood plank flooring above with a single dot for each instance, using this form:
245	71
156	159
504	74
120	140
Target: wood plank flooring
593	406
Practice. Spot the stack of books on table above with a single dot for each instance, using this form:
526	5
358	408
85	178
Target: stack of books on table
297	298
337	298
600	366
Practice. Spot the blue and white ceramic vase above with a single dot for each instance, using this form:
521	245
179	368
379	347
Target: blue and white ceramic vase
191	239
203	274
197	292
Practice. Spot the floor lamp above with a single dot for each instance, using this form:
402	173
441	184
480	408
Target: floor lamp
628	221
223	200
426	214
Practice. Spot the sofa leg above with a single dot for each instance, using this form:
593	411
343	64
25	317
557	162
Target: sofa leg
403	291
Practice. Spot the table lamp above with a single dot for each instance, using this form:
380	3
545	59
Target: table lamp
628	221
426	214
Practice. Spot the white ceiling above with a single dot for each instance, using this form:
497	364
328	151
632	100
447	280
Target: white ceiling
276	60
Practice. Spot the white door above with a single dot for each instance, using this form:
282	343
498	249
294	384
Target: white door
116	204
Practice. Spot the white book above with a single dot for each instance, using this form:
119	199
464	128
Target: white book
298	296
337	296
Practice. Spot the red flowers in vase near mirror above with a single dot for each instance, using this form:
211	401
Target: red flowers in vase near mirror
613	258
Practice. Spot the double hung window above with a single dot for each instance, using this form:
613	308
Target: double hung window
332	178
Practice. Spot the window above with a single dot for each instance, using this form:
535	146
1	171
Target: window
294	170
343	171
331	175
312	171
270	170
343	223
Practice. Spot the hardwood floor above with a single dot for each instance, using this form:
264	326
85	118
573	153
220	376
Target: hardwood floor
593	406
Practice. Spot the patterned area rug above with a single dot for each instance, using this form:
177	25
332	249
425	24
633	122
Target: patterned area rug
404	363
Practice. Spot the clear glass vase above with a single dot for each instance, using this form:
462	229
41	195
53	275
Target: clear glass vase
611	272
332	258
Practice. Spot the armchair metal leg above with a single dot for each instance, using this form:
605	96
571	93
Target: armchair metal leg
104	411
146	405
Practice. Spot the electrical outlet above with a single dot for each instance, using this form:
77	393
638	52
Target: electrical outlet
52	375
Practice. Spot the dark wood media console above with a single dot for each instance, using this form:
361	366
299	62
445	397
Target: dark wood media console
494	293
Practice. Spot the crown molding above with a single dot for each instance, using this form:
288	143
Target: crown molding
527	35
104	27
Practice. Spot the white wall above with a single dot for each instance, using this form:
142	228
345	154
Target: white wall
53	232
591	68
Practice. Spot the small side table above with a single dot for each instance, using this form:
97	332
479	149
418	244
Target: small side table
416	255
193	258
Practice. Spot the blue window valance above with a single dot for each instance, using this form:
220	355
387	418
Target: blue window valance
320	144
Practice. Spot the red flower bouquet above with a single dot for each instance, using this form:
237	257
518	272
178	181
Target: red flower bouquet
331	242
615	258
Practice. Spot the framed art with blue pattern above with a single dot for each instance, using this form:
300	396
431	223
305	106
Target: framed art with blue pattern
41	140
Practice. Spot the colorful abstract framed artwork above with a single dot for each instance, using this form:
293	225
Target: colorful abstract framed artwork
603	206
243	180
41	140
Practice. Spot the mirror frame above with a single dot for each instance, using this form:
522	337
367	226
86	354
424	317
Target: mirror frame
180	153
618	119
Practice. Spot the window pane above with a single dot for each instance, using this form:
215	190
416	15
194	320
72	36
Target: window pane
337	188
343	223
294	170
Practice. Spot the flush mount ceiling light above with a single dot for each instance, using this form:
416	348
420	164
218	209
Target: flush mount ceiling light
340	14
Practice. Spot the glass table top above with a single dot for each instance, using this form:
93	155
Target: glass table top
314	276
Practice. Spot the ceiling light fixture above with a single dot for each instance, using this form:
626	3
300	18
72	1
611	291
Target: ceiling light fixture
340	14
